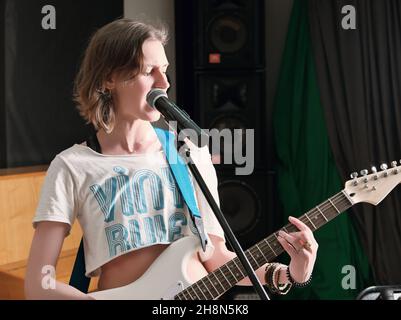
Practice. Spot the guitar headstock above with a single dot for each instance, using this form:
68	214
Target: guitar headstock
373	187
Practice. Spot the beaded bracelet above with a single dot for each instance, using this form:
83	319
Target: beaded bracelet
281	289
298	284
271	279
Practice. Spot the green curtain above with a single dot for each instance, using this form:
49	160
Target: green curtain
307	174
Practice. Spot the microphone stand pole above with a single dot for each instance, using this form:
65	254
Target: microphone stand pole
222	220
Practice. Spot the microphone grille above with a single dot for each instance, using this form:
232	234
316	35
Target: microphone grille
153	95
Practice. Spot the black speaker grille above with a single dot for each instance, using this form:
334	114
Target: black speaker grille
241	205
234	29
248	204
228	34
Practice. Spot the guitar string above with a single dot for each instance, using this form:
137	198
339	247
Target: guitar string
313	213
262	245
340	201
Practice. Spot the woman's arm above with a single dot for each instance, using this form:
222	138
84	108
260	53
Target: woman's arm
45	250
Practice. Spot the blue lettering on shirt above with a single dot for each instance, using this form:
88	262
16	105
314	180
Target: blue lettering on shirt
139	199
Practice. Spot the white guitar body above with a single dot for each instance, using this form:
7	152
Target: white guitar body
165	278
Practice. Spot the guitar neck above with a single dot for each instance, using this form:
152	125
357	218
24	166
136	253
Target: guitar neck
225	277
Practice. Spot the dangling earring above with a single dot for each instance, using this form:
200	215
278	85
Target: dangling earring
105	95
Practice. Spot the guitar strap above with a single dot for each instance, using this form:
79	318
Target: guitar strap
180	172
181	175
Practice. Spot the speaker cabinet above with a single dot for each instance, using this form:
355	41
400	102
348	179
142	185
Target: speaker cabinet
221	69
248	204
233	100
230	33
250	208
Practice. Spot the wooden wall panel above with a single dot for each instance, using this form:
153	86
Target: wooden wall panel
19	195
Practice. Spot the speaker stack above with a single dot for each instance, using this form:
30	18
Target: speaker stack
220	54
41	44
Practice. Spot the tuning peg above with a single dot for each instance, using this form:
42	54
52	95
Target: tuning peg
384	167
364	173
354	175
394	165
374	170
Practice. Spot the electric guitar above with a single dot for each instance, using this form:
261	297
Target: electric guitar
167	279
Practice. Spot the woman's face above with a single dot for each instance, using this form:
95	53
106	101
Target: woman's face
130	96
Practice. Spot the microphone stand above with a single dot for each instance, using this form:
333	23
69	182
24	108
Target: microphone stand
222	220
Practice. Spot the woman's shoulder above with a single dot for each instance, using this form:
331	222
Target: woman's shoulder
70	160
76	152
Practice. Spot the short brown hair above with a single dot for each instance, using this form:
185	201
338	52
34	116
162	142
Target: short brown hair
114	48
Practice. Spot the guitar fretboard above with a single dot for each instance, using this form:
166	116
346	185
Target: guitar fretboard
225	277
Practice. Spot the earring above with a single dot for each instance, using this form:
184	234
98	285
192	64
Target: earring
105	95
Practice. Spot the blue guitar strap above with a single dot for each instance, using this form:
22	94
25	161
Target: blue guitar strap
181	175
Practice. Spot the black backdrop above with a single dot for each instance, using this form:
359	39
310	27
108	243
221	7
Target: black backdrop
38	118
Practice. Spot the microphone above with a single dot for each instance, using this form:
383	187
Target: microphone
158	99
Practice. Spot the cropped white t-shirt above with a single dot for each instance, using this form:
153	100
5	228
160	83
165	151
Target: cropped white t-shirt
123	202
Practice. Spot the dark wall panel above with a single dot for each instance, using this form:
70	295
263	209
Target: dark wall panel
39	118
